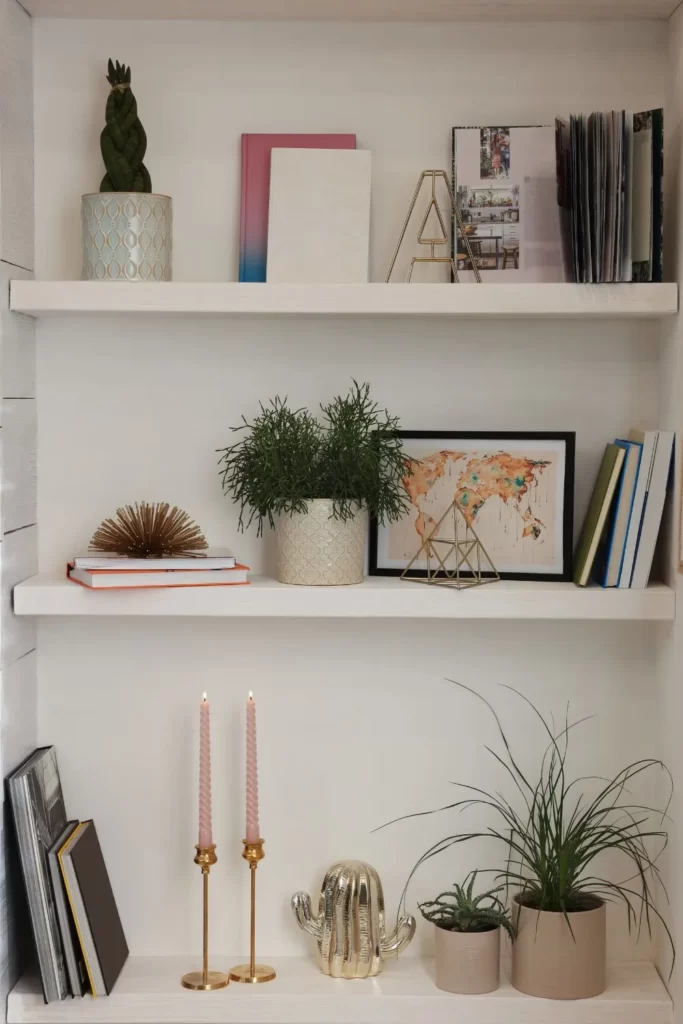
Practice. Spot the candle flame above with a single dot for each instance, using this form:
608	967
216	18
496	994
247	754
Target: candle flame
251	695
204	695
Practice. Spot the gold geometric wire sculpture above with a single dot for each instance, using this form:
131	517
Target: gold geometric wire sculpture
147	530
451	554
435	240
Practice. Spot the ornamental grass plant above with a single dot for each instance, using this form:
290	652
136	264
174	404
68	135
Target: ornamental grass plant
551	829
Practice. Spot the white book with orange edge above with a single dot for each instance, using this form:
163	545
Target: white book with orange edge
128	579
212	558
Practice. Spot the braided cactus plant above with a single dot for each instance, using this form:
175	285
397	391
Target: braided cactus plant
123	140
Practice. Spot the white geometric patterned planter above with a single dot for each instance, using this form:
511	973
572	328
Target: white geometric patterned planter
127	236
316	550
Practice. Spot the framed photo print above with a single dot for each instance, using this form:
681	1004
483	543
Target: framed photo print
515	491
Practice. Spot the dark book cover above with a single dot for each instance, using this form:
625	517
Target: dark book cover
100	905
39	818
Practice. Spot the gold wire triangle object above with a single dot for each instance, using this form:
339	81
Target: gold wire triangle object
459	561
439	240
474	261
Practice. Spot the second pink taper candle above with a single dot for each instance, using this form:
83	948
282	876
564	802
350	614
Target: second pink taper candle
253	833
205	833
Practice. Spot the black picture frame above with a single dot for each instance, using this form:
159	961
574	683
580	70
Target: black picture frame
566	437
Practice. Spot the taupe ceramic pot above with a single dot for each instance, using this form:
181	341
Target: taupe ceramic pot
467	962
316	550
555	962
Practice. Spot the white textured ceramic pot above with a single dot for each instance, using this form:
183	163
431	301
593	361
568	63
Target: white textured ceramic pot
127	236
316	550
467	962
552	960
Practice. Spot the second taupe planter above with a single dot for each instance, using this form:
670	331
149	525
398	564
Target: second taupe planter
316	550
554	961
467	962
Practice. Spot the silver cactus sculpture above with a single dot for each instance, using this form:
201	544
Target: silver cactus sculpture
350	927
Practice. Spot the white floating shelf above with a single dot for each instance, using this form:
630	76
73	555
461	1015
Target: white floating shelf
45	298
358	10
377	597
149	992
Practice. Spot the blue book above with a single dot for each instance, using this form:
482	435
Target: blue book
623	510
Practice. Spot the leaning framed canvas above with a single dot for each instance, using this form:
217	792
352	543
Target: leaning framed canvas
515	490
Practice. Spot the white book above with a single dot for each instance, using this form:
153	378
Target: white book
648	439
319	216
654	507
217	558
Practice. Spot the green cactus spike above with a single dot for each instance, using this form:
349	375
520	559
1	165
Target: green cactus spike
123	140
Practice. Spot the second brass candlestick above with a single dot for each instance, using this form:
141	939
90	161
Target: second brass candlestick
252	973
205	980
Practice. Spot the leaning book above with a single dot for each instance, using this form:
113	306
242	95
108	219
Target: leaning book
39	819
504	184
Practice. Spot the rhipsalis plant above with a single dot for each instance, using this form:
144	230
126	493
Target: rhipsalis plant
288	457
123	141
462	911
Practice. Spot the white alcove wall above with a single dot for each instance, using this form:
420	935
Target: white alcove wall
356	724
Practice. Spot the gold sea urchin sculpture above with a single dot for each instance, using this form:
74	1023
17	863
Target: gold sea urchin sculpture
149	531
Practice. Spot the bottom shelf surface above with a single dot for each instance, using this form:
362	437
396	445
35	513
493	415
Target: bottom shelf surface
149	992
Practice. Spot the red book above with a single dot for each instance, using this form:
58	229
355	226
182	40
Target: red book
134	579
256	192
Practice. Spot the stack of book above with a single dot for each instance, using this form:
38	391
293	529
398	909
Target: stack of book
610	178
619	536
104	571
77	930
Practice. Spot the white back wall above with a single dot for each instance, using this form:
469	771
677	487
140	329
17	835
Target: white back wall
400	88
356	724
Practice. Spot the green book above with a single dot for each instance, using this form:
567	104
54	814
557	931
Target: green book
598	512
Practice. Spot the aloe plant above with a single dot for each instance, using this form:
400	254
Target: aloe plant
462	911
123	141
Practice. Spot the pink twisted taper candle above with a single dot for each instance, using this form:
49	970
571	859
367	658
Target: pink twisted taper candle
205	834
253	833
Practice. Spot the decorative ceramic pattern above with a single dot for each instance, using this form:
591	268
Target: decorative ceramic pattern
350	926
316	550
127	236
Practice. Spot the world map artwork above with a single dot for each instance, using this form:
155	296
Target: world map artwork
509	498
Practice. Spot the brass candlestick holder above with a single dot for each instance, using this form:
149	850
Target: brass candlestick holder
252	973
205	980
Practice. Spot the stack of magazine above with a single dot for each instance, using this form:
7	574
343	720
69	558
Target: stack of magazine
79	940
610	175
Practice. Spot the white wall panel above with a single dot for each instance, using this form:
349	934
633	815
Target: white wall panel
19	561
18	418
18	690
16	135
17	341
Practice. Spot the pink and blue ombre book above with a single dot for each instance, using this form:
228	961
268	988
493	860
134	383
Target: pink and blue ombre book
256	151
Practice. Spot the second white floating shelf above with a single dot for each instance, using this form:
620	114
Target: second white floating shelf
46	298
377	597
